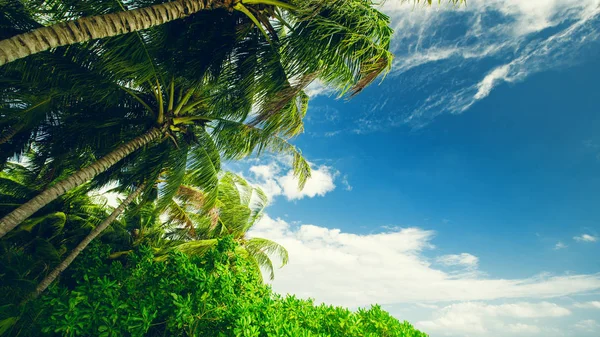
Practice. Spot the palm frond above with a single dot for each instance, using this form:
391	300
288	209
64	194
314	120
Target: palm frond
345	42
177	216
236	140
262	260
269	247
260	200
197	247
173	175
204	164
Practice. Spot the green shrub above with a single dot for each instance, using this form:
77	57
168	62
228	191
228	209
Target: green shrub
217	294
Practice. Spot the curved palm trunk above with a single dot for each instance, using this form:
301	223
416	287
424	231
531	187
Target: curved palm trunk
101	26
45	283
14	218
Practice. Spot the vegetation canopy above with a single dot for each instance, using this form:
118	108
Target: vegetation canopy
215	294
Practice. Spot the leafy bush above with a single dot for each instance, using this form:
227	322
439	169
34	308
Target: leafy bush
218	294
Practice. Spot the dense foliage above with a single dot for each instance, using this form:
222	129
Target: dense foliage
157	272
216	294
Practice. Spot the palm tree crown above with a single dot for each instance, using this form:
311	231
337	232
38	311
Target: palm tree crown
197	222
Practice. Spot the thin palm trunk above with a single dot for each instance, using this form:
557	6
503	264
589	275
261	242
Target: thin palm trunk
45	283
100	26
14	218
9	134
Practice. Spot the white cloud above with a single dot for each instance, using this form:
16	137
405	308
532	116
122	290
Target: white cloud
588	305
520	328
317	88
346	183
264	171
462	260
427	306
455	56
475	318
332	133
276	178
391	268
267	176
320	183
271	187
585	238
528	310
489	81
559	245
589	325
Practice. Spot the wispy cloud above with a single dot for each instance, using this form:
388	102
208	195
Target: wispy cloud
332	133
463	260
588	305
559	245
448	58
476	318
585	238
316	88
489	81
587	325
346	183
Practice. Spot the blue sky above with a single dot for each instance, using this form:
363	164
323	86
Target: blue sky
462	193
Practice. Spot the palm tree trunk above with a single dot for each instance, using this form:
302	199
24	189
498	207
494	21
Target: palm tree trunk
100	26
14	218
84	243
9	134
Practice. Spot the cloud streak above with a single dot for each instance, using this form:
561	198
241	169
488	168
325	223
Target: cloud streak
585	238
559	245
588	305
588	325
476	319
456	56
463	260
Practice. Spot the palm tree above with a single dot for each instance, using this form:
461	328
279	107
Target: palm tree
197	222
194	219
343	43
38	244
164	163
188	115
14	218
69	25
233	138
167	165
64	264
